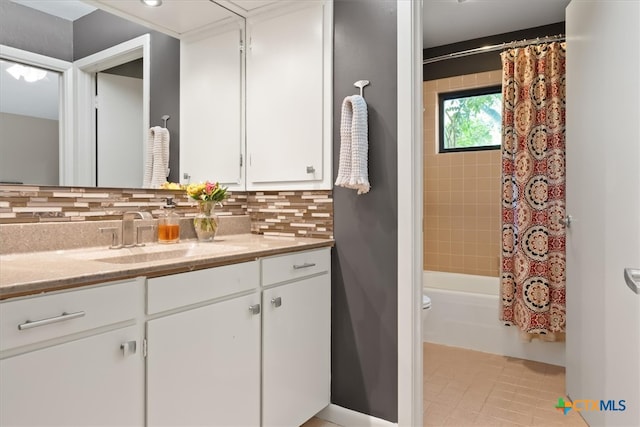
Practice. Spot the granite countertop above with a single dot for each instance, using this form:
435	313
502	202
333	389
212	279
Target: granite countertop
36	272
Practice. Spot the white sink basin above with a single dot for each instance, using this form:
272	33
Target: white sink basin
156	252
145	257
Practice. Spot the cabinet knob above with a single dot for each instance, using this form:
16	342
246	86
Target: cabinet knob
128	347
254	309
276	302
311	169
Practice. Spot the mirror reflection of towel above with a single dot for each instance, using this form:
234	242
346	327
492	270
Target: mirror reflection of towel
354	145
156	168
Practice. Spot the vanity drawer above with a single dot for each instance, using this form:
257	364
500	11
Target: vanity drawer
294	266
33	319
182	289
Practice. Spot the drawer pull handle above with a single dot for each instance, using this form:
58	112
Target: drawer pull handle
305	265
277	302
64	316
254	309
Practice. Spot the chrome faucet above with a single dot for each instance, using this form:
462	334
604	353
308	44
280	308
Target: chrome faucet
129	233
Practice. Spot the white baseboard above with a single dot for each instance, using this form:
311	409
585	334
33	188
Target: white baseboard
350	418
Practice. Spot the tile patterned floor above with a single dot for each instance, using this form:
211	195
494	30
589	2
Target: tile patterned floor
469	388
466	388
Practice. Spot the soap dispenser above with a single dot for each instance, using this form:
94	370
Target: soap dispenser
169	224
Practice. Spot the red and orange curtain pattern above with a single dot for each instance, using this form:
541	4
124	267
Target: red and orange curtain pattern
533	190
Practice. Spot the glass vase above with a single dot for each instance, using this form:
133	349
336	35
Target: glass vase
206	222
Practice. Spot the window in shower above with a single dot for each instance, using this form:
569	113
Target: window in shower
470	119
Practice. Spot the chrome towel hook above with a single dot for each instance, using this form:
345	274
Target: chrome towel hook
361	84
164	120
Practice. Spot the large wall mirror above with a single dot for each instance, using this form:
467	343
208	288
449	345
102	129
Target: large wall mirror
128	54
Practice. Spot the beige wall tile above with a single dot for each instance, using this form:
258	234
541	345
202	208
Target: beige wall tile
462	193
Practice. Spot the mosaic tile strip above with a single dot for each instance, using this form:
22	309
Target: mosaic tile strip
278	213
31	204
291	213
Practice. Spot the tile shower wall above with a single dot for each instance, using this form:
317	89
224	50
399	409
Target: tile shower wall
285	213
461	193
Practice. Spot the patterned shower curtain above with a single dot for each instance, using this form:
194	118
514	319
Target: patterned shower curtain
533	190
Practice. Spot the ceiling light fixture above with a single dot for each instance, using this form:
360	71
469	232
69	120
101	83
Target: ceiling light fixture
151	3
29	74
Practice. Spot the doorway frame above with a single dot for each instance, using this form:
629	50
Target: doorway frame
410	236
84	71
65	103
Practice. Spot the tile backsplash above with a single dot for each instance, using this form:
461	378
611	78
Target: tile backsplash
285	213
291	213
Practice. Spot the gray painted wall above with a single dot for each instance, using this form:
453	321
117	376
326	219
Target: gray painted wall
29	147
480	62
29	29
364	261
130	69
100	30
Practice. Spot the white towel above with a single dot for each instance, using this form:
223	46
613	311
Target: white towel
354	145
156	168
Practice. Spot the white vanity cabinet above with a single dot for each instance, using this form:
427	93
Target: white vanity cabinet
289	97
296	340
73	358
241	345
245	344
203	361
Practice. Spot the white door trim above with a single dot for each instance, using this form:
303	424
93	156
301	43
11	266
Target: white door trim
409	213
65	114
85	70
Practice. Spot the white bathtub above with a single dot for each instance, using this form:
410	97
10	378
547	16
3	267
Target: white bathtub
464	313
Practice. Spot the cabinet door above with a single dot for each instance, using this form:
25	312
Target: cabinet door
288	92
211	125
203	366
91	381
296	351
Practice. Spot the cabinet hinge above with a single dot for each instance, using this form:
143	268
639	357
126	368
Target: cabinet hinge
241	46
240	159
144	347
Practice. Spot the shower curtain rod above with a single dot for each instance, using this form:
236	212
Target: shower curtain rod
495	47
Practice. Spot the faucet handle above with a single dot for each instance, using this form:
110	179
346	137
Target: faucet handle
114	236
142	227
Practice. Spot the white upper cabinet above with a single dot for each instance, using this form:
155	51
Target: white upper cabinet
211	107
289	92
276	134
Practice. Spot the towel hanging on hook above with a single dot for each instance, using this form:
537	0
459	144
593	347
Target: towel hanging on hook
354	144
361	84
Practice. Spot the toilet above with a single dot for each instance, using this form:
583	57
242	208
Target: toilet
426	306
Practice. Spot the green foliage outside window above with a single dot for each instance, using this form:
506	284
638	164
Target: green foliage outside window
471	121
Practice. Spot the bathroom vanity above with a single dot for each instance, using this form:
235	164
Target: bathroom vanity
226	333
